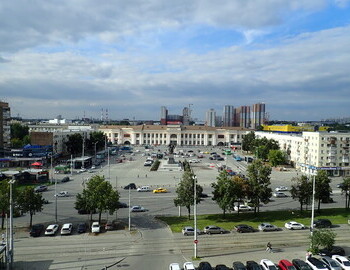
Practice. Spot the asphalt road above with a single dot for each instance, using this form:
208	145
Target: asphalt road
151	244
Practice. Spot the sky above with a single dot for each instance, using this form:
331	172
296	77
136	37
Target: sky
76	57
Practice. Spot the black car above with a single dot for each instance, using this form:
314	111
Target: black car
82	227
220	158
238	266
122	205
252	265
301	265
65	179
85	211
243	228
36	230
335	250
131	186
221	267
203	195
204	266
322	223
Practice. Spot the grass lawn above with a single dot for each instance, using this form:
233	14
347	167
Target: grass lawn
278	218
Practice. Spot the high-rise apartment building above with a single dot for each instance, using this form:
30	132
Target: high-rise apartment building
227	116
5	130
257	115
186	116
211	118
242	117
163	115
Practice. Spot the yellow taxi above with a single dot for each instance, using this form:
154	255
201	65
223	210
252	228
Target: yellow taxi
160	190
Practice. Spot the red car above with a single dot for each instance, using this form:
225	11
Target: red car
286	265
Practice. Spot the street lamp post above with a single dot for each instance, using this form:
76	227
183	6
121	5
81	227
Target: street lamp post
129	211
195	215
11	253
312	207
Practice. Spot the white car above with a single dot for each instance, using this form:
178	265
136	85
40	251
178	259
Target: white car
279	194
344	262
51	229
243	208
189	266
137	208
281	188
194	161
66	229
267	265
293	225
267	227
62	194
144	189
174	266
332	264
95	227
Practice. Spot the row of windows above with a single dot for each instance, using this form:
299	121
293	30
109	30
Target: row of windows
183	136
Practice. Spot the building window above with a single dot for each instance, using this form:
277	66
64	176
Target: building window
220	136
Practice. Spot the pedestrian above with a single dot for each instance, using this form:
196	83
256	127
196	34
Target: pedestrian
308	255
146	175
268	247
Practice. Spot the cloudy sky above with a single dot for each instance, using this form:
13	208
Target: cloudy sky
132	56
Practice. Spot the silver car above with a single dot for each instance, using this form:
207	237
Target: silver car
189	231
211	229
267	227
332	264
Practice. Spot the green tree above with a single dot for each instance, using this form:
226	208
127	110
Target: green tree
30	202
4	200
301	190
248	141
98	195
19	131
263	146
276	157
185	191
345	188
322	188
259	184
323	238
26	140
16	143
98	138
74	143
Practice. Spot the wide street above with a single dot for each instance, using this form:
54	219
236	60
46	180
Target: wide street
151	244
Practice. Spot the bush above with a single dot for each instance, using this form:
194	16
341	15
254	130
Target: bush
155	165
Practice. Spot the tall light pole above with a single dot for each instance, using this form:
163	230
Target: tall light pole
129	211
11	253
313	206
95	149
195	215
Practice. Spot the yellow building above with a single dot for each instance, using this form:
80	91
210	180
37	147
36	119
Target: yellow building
292	129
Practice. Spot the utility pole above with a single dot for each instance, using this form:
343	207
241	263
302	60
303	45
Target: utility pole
129	211
11	252
195	215
83	152
116	190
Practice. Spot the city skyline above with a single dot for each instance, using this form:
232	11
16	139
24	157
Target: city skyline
133	57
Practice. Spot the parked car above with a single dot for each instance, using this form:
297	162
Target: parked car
51	229
65	179
174	266
243	228
301	265
238	266
144	189
148	163
95	227
160	190
316	264
252	265
82	227
267	265
130	186
137	208
343	262
243	208
36	230
189	266
204	266
40	188
211	229
220	158
293	225
279	194
122	205
267	227
335	250
110	226
286	265
281	188
322	223
85	211
203	195
331	263
194	161
62	194
221	267
189	231
67	229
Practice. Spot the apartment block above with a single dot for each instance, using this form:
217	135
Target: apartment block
5	129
